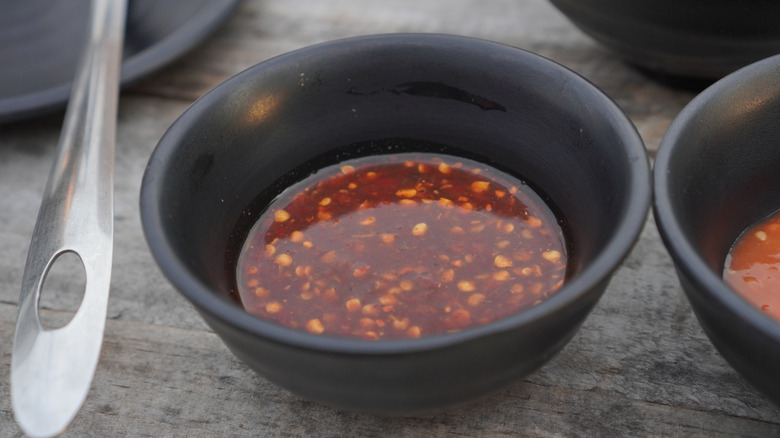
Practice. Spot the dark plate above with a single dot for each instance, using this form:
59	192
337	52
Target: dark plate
41	40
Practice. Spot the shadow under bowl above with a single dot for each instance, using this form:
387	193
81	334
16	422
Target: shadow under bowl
715	175
685	42
240	144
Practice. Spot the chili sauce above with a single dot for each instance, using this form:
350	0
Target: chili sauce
401	246
753	266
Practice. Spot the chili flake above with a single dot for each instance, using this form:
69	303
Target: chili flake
401	246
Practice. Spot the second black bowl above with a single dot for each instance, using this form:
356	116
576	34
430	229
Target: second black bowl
716	174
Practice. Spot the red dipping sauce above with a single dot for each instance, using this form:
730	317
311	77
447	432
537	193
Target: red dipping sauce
753	266
401	246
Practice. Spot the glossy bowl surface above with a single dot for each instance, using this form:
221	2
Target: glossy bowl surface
246	140
716	174
702	39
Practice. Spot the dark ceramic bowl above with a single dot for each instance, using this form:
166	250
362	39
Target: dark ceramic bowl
704	39
250	137
718	172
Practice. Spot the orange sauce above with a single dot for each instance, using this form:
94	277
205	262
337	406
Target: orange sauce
753	266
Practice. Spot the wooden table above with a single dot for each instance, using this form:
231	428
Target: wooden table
640	366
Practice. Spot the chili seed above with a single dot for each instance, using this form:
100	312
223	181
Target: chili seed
353	305
406	193
328	257
370	310
407	285
552	256
466	286
273	307
534	222
444	202
420	229
501	261
479	186
401	324
361	271
324	215
460	317
262	292
281	216
330	294
315	326
475	299
502	275
283	259
388	300
296	236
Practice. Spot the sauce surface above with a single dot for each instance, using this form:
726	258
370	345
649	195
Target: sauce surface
753	266
400	246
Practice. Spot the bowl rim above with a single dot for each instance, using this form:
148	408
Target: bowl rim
683	251
598	271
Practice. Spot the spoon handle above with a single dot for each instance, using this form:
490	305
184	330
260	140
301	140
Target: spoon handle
52	370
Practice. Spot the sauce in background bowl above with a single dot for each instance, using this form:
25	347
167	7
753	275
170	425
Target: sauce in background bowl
753	266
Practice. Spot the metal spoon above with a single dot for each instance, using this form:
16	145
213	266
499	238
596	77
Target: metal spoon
51	370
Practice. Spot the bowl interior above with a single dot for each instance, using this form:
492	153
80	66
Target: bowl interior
245	141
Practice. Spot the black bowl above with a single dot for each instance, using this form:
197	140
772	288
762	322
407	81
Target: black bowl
716	174
704	39
278	121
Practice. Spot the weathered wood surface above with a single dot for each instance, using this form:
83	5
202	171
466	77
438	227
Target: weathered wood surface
640	366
